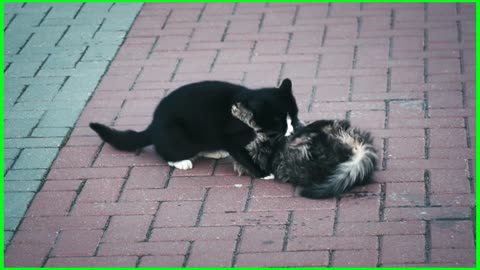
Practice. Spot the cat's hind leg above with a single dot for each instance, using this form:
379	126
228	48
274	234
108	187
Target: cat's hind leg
269	177
182	165
214	154
174	146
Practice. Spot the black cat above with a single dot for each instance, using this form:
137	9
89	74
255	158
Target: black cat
196	119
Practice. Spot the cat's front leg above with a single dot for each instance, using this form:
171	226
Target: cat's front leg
245	161
245	115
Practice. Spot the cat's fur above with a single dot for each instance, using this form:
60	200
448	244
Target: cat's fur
325	157
196	118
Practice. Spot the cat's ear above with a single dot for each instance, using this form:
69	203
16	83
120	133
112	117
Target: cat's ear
286	85
286	93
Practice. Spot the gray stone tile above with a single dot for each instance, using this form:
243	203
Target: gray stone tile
7	18
23	69
11	92
100	52
78	35
37	80
50	132
33	142
26	57
41	92
18	127
17	203
21	186
109	37
79	96
63	10
7	237
121	16
47	105
75	84
85	21
11	223
59	118
7	163
100	64
62	60
36	115
25	175
15	40
71	48
67	72
12	7
23	19
95	9
10	153
33	8
46	36
36	158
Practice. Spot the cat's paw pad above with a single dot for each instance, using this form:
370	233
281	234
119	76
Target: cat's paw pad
215	154
182	165
269	177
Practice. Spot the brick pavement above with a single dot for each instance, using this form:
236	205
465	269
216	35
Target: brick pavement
404	71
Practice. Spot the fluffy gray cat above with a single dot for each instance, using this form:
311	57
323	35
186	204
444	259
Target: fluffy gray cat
325	157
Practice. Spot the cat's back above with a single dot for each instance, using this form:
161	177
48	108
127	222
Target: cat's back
202	93
205	103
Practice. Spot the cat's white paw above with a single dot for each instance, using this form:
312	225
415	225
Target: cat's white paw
215	154
182	165
269	177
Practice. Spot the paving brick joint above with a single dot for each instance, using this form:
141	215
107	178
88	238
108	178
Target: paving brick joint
406	72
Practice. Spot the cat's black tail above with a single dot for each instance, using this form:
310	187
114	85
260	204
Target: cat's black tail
127	140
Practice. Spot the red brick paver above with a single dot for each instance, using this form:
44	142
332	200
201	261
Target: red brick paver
404	71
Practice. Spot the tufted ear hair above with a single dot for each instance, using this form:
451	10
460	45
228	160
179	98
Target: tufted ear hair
286	85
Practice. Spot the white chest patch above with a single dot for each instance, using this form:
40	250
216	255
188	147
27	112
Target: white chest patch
289	127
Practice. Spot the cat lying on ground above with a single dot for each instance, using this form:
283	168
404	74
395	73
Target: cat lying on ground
325	157
196	119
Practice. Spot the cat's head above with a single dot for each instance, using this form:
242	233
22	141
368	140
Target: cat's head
271	106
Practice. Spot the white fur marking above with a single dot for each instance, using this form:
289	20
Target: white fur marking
289	127
215	154
182	165
269	177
